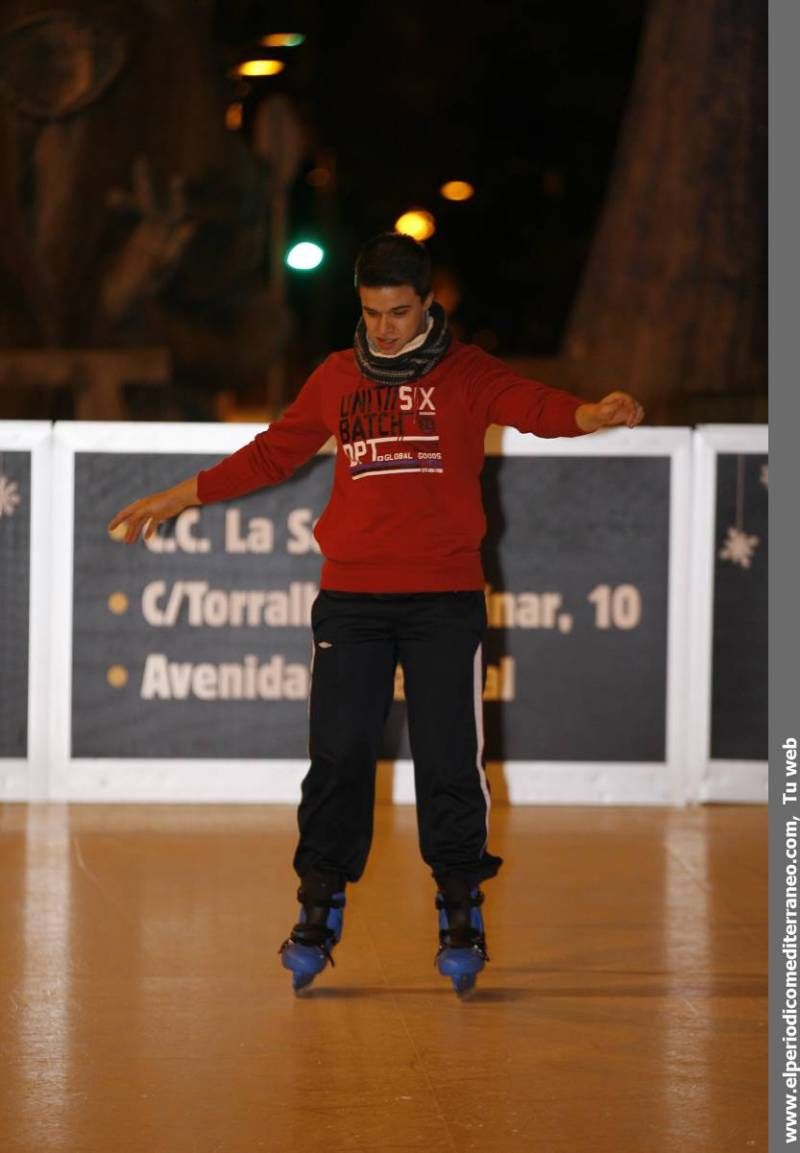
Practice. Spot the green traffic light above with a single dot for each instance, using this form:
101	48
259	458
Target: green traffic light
305	256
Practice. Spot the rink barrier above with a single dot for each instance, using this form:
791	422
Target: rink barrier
728	677
180	672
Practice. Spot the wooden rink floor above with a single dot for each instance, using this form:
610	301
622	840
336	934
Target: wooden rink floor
145	1010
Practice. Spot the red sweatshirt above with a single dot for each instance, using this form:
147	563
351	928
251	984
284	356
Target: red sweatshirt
405	514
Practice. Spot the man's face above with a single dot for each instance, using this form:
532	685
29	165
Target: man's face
393	315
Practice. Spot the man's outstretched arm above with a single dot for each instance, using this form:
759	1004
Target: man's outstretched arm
271	457
504	397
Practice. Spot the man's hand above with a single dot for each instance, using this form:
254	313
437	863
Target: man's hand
613	410
150	511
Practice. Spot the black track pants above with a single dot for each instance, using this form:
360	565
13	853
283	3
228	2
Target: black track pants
358	641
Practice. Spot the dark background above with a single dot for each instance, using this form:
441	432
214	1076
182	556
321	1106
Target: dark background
616	239
522	100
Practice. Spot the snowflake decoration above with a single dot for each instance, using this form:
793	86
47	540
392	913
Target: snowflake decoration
764	474
9	496
739	547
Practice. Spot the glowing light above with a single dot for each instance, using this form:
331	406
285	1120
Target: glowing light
233	117
305	256
416	223
457	190
260	68
283	40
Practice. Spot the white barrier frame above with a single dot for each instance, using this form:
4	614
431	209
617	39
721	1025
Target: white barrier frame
714	780
604	783
138	779
211	780
25	778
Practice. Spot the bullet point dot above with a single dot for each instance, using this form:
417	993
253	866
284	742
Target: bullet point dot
117	676
118	603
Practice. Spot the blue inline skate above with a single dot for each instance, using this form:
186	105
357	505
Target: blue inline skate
462	941
307	950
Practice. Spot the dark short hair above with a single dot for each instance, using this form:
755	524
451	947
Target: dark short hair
392	258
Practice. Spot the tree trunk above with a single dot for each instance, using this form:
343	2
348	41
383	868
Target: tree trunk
672	306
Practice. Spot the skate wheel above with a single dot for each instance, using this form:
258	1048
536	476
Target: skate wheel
302	982
303	962
457	963
464	985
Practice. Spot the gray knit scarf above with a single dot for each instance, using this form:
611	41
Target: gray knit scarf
409	365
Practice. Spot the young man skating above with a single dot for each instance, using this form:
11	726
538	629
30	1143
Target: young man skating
401	582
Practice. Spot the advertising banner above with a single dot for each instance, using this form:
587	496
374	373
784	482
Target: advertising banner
196	643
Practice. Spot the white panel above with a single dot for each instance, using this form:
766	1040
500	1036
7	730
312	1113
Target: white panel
735	781
561	783
198	781
609	442
678	623
60	673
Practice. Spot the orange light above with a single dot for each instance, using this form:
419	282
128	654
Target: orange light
283	40
416	223
457	190
260	68
233	117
